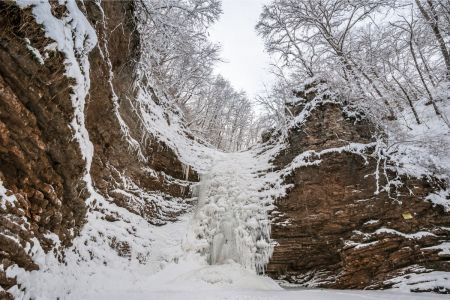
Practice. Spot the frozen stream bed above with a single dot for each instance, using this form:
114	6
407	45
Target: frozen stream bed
191	280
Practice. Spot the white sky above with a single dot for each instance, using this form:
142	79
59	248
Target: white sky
246	63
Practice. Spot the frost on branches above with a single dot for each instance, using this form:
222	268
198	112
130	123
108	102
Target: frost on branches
387	58
179	58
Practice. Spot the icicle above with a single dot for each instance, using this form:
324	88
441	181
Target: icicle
185	169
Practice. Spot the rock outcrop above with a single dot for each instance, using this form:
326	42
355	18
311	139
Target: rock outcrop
42	167
350	220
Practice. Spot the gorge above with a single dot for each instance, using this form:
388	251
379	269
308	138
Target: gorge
106	193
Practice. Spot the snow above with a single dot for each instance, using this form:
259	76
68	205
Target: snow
425	280
138	198
370	222
308	109
176	263
164	122
360	245
247	294
104	53
5	199
441	198
75	37
35	52
417	149
443	247
312	157
416	235
422	149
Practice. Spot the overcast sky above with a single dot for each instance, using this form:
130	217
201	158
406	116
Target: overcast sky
246	64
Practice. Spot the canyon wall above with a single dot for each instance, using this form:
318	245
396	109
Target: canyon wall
352	218
48	176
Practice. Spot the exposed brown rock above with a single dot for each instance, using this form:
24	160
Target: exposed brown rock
40	162
323	225
330	225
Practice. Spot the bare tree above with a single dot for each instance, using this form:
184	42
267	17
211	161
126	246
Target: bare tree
319	32
179	57
428	11
381	54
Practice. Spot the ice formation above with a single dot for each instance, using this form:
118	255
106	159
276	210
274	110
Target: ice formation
231	223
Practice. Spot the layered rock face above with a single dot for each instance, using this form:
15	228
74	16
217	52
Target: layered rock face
129	164
43	169
40	164
350	220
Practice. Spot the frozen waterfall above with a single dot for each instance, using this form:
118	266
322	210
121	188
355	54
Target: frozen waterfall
231	224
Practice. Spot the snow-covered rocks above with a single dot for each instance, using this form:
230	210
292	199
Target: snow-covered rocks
353	217
89	160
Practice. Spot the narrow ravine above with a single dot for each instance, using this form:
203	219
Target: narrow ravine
135	165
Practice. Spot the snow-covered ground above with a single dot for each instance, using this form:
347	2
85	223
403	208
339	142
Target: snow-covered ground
192	280
259	294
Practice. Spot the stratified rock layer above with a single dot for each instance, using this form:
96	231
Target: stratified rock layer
334	228
40	164
40	161
120	169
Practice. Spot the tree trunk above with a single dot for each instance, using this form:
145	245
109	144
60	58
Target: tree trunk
436	109
432	21
411	105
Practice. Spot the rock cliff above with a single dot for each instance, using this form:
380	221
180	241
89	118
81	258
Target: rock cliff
351	218
47	175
